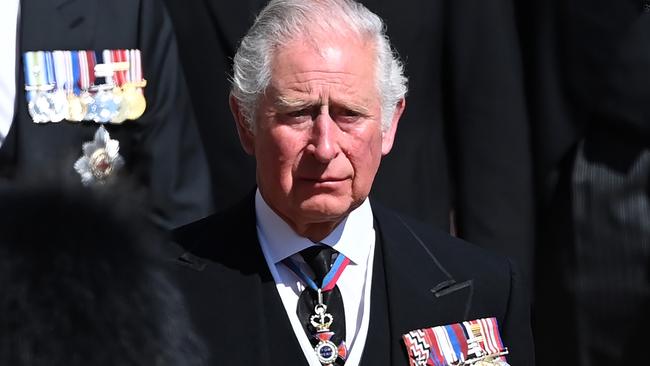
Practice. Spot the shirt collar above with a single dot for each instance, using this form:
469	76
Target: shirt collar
349	237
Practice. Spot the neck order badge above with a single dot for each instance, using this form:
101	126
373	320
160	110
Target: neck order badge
326	350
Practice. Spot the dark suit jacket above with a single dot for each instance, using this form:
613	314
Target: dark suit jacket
462	143
421	278
162	150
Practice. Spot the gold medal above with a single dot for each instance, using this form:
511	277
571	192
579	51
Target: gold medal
135	101
76	109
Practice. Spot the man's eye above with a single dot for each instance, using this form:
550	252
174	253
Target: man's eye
299	113
347	119
296	117
346	116
349	113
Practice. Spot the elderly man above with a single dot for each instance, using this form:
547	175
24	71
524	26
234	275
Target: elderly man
306	271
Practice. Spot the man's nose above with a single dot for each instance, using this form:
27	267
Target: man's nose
324	142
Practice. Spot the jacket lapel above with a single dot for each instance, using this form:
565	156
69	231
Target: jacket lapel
240	312
377	350
421	292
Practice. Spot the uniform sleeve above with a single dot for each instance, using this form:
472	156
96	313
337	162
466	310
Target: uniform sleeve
171	158
489	133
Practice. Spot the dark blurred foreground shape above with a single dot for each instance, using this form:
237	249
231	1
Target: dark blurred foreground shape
83	284
588	76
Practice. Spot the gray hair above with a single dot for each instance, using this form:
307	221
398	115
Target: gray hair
282	21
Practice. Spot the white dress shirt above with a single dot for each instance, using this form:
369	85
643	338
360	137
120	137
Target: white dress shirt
354	238
8	34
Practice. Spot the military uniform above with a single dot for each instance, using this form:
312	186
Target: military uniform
162	155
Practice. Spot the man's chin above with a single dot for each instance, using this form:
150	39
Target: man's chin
325	208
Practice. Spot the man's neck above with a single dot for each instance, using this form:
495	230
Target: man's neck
312	231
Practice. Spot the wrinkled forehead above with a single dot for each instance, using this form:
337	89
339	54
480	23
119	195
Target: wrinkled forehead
328	58
333	52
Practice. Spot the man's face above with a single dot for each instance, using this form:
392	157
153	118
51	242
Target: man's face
318	139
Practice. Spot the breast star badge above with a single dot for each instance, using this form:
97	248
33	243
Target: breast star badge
101	159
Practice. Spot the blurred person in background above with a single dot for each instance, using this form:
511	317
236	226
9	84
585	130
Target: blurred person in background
588	76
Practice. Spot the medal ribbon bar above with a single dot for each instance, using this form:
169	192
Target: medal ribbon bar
476	342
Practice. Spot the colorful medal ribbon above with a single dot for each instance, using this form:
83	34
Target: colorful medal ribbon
36	86
106	104
484	334
54	109
326	351
57	76
330	278
75	69
87	82
86	69
132	87
76	109
136	67
60	70
476	342
120	68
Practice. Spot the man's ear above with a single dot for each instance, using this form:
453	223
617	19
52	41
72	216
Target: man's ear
388	136
246	136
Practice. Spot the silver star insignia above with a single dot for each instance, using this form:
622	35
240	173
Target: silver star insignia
101	159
